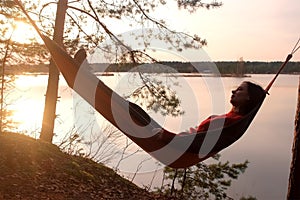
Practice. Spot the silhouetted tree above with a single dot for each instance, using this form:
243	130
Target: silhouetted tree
49	116
201	181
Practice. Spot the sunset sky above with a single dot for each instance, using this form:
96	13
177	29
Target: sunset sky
253	29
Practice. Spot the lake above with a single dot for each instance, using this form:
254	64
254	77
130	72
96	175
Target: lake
266	144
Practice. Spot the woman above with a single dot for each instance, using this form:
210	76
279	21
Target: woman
244	99
200	146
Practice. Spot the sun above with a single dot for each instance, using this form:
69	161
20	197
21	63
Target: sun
23	33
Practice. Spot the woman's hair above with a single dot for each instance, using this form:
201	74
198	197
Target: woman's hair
256	96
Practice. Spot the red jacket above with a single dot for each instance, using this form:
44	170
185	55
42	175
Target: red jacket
217	121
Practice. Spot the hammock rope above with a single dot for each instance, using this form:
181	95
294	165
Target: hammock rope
288	58
295	47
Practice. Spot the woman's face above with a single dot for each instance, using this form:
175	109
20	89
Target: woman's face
240	95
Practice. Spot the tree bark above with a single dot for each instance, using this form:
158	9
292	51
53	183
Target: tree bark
49	116
294	179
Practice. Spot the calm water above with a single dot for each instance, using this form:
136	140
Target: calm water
266	145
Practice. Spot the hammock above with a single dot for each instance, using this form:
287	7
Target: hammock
176	151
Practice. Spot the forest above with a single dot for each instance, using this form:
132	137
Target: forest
224	67
230	68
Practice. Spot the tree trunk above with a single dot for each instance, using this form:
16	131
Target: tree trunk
294	180
47	131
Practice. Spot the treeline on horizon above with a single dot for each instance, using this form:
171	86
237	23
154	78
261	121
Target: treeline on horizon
251	67
224	67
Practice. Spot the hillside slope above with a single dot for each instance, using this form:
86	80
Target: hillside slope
31	169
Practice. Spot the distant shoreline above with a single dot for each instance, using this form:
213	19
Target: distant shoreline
195	69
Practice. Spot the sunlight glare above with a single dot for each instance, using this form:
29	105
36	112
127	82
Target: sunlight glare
23	33
28	102
28	114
